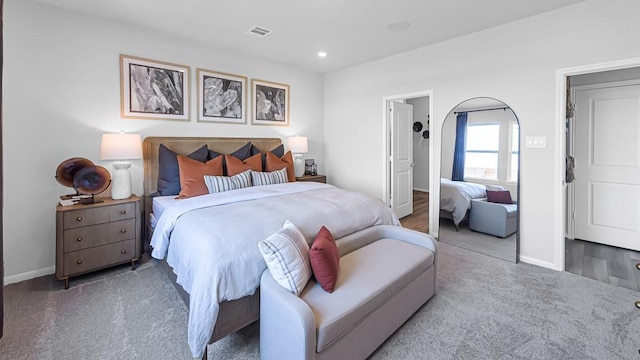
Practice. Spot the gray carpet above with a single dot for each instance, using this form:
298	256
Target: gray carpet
485	309
501	248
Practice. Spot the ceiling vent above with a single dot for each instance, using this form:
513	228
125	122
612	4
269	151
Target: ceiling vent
258	31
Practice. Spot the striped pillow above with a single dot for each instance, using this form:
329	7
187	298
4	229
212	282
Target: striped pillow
286	253
217	184
268	178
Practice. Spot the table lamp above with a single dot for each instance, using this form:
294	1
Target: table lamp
298	146
121	147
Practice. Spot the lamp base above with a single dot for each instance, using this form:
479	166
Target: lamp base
298	165
121	182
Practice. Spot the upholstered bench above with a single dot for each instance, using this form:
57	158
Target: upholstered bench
493	218
386	274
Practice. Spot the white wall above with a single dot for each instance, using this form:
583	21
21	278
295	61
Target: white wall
516	63
62	91
420	144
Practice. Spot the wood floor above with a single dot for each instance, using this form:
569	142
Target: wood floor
419	220
604	263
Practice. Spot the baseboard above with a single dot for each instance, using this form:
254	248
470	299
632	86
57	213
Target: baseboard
29	275
534	261
419	189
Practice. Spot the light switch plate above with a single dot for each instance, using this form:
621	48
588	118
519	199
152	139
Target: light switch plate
539	142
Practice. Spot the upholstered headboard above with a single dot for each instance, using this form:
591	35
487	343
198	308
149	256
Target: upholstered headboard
184	146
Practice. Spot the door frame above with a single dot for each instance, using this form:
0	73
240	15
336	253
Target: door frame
559	186
386	148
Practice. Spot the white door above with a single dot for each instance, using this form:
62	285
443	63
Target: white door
401	158
607	165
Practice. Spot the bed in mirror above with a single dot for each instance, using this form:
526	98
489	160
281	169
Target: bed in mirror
479	178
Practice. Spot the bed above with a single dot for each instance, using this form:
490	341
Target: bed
208	243
455	198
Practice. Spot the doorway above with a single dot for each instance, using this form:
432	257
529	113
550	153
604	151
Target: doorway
406	157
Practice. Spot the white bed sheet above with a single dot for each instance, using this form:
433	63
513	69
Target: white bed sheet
211	241
455	197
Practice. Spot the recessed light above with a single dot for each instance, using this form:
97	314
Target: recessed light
322	54
398	26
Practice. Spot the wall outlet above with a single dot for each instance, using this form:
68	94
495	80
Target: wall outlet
536	142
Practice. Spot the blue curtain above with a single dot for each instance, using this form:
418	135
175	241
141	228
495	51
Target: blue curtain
460	149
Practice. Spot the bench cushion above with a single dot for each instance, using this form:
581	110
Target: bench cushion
368	277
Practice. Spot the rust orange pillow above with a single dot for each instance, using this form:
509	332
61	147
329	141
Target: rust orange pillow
236	166
325	260
192	173
274	163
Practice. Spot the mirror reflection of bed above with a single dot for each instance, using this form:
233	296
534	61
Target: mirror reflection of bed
480	174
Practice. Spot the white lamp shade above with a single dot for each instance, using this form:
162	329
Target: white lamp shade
121	147
298	145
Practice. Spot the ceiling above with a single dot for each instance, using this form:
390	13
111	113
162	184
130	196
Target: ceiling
350	31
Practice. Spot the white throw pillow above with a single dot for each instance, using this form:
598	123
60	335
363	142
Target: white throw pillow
286	253
269	178
216	184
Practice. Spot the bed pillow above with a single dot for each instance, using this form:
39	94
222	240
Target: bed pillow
286	253
269	178
243	153
276	163
237	166
501	197
325	260
169	171
217	184
192	173
277	151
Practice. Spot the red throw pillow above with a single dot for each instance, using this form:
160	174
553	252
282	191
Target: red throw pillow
325	260
192	174
274	163
236	166
501	197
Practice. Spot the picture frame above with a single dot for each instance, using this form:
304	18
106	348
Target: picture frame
221	97
151	89
270	103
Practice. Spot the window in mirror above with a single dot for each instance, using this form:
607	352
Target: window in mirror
482	149
515	146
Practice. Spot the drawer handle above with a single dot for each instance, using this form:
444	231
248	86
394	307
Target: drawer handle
79	262
79	218
123	230
123	251
123	212
638	304
79	238
638	266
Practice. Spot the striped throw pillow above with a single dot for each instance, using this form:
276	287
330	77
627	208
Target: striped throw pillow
286	253
268	178
217	184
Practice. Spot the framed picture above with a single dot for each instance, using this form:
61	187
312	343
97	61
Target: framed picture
221	97
270	103
152	89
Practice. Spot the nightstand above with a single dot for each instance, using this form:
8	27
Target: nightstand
95	236
316	178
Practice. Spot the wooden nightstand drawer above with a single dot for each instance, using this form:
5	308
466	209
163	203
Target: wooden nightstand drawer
98	215
94	236
101	234
316	178
97	257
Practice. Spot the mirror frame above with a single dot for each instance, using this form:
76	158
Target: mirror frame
519	202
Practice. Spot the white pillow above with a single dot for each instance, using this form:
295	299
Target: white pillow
267	178
286	253
216	184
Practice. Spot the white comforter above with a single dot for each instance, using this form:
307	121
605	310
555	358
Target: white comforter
455	197
211	241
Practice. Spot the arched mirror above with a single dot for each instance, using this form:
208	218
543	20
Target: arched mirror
479	172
